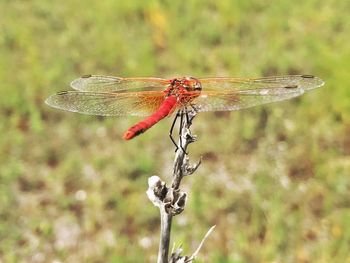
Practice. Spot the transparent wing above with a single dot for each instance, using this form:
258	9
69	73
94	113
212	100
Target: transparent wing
236	100
305	82
226	94
109	84
108	104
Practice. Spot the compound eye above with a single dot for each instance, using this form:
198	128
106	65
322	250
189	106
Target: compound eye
197	86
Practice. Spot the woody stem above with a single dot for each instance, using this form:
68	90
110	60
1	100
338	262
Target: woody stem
174	200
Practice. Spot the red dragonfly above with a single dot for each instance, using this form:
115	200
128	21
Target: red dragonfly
158	98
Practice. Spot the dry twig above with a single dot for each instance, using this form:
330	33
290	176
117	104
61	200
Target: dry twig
171	200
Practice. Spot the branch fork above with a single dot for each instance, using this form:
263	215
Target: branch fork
173	201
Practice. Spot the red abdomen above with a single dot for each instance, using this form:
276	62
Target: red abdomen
164	110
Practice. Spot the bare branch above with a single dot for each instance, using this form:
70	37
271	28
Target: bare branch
177	258
182	165
194	255
171	200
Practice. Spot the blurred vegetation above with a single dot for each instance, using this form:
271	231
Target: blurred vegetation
275	179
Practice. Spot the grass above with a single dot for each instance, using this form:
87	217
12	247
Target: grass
275	179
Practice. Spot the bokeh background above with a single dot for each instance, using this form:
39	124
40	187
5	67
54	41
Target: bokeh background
275	179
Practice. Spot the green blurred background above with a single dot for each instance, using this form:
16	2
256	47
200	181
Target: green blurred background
275	179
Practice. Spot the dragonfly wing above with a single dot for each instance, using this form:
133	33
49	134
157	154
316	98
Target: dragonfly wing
305	82
108	104
236	100
221	94
109	84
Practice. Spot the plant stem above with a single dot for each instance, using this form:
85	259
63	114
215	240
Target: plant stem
171	201
165	229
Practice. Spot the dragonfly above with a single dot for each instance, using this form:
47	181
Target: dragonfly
157	98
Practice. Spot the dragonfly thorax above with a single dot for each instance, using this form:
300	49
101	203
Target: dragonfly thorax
182	85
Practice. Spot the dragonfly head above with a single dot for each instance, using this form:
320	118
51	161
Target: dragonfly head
186	85
191	84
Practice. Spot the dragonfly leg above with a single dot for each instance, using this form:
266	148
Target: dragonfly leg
188	120
178	114
181	127
195	110
172	129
